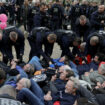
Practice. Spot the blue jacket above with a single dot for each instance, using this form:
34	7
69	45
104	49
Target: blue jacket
86	67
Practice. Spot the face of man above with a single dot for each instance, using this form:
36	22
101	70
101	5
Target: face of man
99	70
96	59
26	67
49	40
20	84
82	22
101	8
69	87
75	44
42	8
63	75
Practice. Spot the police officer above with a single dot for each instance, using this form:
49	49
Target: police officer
82	27
25	15
2	8
74	13
98	19
68	39
11	10
85	8
39	19
56	13
2	47
95	43
38	37
34	10
14	37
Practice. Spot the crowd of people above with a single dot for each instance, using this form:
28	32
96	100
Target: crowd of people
77	77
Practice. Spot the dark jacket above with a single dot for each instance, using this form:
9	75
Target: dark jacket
19	44
65	40
96	19
86	67
82	30
37	38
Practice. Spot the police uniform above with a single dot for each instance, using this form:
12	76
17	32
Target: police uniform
100	47
19	44
74	13
96	19
37	38
65	39
57	14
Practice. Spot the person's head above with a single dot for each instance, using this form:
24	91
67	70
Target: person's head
82	46
99	57
42	7
29	68
63	68
7	89
76	42
26	2
101	69
101	8
72	85
94	4
23	83
66	74
82	20
2	76
85	2
13	36
94	40
52	38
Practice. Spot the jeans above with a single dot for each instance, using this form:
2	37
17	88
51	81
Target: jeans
36	62
32	96
74	68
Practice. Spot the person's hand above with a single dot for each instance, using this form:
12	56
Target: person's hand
102	22
103	84
86	74
91	70
83	62
50	63
62	59
99	84
48	97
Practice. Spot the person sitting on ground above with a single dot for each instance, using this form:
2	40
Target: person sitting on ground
95	78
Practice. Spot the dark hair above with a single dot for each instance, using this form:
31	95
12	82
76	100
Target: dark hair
42	4
69	73
2	74
78	40
101	56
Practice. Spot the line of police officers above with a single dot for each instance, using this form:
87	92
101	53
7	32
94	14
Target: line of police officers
85	19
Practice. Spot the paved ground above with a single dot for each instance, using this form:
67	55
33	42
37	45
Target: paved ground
56	50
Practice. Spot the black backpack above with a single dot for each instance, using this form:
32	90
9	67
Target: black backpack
33	33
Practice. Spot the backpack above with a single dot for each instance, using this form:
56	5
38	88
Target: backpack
61	32
33	33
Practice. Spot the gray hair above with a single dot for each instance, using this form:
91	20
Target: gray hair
27	83
94	39
103	68
66	67
75	81
7	89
